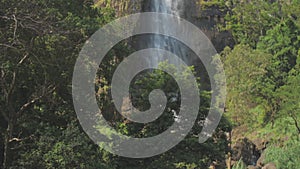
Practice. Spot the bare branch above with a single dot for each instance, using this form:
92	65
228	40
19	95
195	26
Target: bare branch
35	21
15	28
23	59
4	89
15	139
9	46
295	122
11	87
5	116
20	139
5	17
3	82
34	100
13	82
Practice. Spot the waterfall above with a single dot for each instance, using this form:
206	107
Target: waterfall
173	7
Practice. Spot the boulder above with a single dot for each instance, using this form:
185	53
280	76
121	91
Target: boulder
269	166
260	143
260	161
252	167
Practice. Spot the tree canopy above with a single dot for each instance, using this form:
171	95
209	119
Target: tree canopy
40	41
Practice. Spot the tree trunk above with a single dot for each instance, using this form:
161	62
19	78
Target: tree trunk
6	152
296	123
9	133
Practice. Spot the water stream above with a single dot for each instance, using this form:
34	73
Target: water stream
173	7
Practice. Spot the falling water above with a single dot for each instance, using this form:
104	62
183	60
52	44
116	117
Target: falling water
174	7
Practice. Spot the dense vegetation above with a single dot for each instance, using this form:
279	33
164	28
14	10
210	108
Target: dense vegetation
40	41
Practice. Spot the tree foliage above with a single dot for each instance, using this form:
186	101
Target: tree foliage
40	41
39	44
244	69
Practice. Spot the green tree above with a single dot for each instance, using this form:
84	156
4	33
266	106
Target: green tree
290	100
248	20
244	69
285	156
283	43
39	43
189	153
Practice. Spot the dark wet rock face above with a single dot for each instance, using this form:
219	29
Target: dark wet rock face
260	161
207	20
190	10
246	150
251	153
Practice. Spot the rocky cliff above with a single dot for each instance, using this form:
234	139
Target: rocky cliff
206	20
122	7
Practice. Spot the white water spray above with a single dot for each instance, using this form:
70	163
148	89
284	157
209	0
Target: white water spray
173	7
